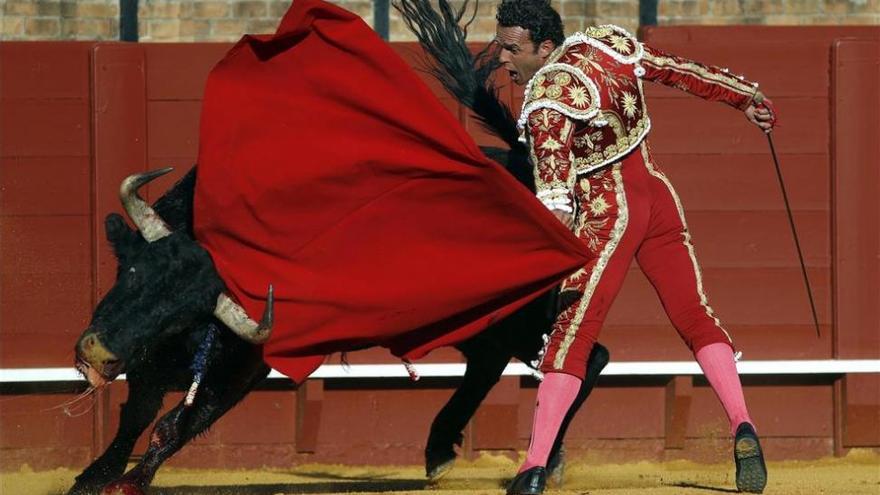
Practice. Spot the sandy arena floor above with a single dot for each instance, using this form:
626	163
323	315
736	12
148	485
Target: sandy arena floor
856	474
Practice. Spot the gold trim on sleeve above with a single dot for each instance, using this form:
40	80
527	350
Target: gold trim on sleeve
701	72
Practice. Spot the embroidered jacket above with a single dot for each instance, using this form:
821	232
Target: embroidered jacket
585	107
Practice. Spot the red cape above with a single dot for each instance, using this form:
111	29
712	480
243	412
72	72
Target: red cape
327	168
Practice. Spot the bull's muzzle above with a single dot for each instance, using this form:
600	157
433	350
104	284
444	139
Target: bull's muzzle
95	361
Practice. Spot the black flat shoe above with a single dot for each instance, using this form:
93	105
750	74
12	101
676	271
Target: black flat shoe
751	472
529	482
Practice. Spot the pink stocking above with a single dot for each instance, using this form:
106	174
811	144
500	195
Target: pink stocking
718	365
555	396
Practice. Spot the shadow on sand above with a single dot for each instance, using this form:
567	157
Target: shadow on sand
702	487
338	484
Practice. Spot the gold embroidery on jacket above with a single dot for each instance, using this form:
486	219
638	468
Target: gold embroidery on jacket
563	88
544	121
610	128
623	142
629	103
616	235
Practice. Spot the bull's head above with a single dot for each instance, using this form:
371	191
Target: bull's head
165	282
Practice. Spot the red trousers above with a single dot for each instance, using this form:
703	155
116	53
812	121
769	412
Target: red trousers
629	209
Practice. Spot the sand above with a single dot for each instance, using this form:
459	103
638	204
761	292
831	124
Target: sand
856	474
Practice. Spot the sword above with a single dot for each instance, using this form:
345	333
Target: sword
794	233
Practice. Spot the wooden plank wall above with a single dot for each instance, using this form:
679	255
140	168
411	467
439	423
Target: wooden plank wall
76	118
46	243
856	224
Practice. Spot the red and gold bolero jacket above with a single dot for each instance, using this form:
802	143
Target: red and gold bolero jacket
585	107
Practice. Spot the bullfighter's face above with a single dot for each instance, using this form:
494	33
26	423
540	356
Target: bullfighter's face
519	55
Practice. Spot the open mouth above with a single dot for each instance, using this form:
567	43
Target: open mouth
96	378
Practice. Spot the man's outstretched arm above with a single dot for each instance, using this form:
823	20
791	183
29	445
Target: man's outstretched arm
711	83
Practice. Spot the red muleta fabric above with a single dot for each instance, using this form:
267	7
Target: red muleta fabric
328	169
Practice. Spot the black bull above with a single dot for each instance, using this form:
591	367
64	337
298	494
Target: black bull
172	282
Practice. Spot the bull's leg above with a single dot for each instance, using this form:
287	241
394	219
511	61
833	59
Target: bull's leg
485	363
599	357
225	388
137	413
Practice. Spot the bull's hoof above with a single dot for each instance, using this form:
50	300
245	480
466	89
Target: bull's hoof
86	488
438	468
556	469
122	488
83	489
438	471
94	478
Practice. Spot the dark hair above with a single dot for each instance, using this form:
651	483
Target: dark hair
542	21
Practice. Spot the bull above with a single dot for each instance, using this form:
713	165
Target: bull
169	300
162	308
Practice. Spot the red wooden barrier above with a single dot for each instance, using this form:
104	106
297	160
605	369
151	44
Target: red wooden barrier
856	223
75	118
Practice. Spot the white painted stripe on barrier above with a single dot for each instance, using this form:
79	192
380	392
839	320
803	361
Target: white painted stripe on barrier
637	368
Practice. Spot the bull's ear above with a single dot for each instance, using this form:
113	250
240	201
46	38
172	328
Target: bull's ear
120	235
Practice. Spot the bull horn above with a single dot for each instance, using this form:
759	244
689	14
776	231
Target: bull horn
234	317
148	222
